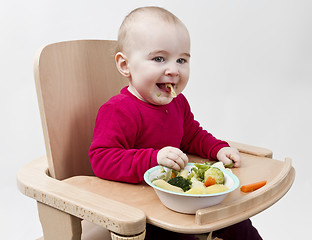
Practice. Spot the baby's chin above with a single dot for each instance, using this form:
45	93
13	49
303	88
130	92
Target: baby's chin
160	100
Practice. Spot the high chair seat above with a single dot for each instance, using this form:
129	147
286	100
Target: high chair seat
73	80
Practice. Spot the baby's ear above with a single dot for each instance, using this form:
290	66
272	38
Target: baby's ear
122	64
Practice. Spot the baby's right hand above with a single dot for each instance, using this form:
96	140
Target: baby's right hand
172	157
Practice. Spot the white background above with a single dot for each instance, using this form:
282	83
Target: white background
251	81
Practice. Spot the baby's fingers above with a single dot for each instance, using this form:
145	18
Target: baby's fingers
172	157
226	160
236	159
182	157
178	160
228	154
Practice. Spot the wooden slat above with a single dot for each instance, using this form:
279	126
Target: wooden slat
73	79
115	216
92	231
252	150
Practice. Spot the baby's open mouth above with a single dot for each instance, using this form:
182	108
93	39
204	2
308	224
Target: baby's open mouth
168	87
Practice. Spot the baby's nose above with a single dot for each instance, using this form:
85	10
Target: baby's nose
172	70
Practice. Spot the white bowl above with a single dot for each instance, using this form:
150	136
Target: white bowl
190	203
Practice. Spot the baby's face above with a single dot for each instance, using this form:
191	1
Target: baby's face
159	54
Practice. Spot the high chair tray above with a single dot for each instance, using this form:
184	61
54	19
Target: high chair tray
236	207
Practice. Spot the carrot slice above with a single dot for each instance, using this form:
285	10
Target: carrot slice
253	186
210	181
172	175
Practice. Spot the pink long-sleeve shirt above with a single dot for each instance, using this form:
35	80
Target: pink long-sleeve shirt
129	133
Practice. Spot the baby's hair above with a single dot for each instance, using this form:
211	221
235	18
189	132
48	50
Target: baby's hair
162	13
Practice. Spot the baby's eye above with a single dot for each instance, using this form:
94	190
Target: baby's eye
159	59
181	61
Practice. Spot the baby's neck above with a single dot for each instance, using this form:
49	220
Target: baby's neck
133	92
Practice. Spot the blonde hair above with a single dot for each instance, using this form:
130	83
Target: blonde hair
130	19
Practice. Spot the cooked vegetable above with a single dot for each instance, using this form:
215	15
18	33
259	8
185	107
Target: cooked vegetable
210	181
196	182
184	173
167	174
216	189
163	184
181	182
197	190
202	179
230	165
199	171
216	174
253	186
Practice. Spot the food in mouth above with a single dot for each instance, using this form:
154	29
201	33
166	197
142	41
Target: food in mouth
172	92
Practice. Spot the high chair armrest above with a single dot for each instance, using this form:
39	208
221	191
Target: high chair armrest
252	150
33	181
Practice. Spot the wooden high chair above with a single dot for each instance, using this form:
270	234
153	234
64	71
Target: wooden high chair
73	79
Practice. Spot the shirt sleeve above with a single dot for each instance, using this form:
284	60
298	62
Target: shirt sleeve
111	153
198	141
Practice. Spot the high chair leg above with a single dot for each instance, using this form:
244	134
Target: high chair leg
207	236
141	236
58	225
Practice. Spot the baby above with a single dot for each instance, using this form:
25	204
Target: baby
150	122
145	125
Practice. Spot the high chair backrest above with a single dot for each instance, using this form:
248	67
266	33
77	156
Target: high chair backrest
73	79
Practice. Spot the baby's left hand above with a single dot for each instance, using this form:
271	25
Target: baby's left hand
229	154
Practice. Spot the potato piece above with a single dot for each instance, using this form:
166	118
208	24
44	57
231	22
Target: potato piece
197	190
216	189
164	185
196	183
184	173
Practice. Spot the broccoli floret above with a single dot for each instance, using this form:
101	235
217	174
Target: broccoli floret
181	182
199	170
215	173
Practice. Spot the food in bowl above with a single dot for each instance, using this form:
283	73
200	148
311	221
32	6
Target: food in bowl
201	179
186	197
